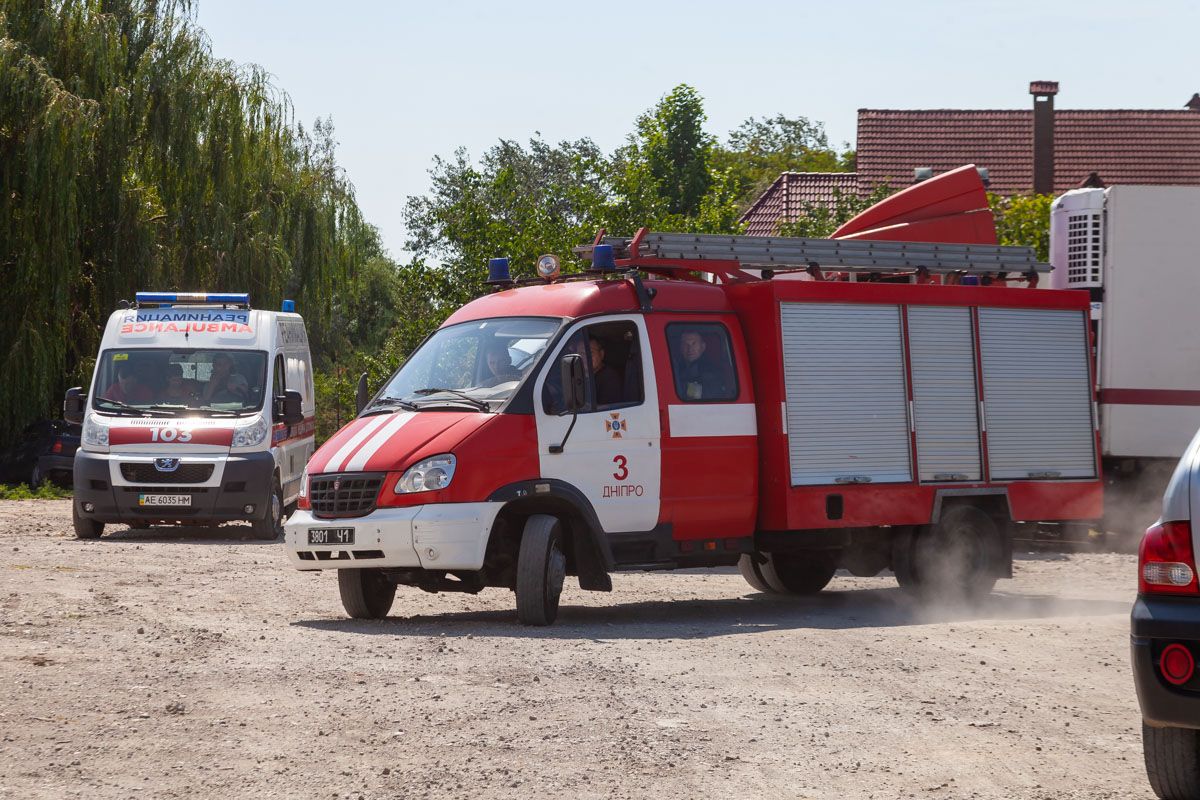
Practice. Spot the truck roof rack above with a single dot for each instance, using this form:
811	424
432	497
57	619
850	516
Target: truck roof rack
728	256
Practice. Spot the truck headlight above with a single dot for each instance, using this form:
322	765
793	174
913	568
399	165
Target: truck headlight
252	435
95	434
427	476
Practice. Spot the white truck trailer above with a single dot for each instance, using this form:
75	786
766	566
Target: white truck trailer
1135	250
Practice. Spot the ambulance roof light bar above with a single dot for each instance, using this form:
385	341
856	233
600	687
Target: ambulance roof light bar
237	299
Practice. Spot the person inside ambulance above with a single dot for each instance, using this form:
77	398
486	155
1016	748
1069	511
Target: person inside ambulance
235	390
499	366
605	380
696	377
178	391
218	379
127	388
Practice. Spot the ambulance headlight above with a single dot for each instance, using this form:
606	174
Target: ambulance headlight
427	476
252	435
95	434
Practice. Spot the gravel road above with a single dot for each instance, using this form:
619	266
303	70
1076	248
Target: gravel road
154	663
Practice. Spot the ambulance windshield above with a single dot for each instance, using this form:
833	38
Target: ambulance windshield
179	382
474	364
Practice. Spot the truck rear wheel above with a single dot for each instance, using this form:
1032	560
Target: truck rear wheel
85	528
955	559
1172	761
366	593
541	570
789	573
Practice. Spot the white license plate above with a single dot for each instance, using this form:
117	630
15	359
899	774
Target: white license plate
164	499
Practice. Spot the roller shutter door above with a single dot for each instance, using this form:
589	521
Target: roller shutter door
941	345
847	405
1037	393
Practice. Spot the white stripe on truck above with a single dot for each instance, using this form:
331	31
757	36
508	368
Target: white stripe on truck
712	419
335	461
394	423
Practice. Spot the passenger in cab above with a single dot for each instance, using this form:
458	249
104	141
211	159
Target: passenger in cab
605	379
127	388
218	379
235	390
696	378
178	391
500	366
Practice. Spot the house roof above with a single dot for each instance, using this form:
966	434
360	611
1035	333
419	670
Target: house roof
785	199
1122	145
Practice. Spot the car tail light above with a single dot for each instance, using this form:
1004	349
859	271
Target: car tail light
57	448
1166	564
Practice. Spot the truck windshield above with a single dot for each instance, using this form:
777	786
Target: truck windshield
472	363
163	381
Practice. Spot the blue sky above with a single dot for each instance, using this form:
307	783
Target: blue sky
405	82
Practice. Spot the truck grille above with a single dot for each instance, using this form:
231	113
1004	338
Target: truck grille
185	473
351	495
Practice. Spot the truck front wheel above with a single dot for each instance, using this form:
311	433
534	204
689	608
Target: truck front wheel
366	593
541	570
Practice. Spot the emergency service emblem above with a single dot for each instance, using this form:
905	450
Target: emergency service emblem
615	425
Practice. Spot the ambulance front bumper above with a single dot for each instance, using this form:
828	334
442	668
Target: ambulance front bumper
443	536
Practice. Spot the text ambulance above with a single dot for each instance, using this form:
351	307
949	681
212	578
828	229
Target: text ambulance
200	412
789	420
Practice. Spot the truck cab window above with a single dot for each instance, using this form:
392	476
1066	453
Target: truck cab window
612	364
702	362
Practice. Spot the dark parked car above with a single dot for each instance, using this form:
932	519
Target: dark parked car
45	451
1166	638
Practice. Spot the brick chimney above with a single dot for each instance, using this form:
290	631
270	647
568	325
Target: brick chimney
1043	135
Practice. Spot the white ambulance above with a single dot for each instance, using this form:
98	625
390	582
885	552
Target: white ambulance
201	411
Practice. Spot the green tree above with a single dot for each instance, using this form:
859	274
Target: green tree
676	149
1023	220
760	149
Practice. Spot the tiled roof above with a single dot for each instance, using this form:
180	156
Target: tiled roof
787	197
1123	146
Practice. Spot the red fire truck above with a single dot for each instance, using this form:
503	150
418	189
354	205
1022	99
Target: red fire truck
790	406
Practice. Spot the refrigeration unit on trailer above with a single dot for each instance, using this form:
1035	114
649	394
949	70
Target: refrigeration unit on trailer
1133	250
672	409
200	411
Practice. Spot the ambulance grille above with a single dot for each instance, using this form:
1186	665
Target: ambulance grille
347	495
184	473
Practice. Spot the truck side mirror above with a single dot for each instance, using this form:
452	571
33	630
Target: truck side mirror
361	396
288	408
573	382
74	404
574	389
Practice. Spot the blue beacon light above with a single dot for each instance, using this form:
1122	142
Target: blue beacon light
182	298
498	272
288	306
603	259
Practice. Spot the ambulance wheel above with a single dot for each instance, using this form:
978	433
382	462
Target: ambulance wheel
270	527
799	573
366	593
957	558
85	528
541	570
752	571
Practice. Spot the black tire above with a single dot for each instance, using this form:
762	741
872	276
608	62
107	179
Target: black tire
1172	761
270	527
902	558
958	558
799	573
752	571
366	593
85	528
541	570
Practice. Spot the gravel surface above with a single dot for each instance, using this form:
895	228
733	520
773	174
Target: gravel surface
198	664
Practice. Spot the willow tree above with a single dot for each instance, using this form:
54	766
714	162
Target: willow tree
132	158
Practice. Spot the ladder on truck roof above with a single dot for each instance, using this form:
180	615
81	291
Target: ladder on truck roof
726	256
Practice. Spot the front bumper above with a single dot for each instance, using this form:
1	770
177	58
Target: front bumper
1156	622
442	536
236	481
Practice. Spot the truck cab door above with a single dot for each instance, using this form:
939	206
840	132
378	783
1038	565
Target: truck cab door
612	453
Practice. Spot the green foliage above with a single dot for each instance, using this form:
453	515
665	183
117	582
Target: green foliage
819	221
1023	220
45	491
131	158
676	149
760	149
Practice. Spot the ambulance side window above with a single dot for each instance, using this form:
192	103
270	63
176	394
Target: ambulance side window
280	382
702	362
612	364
